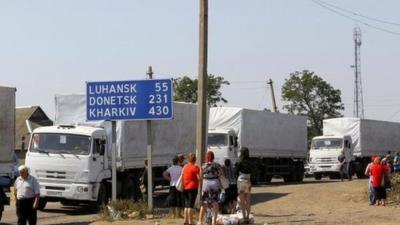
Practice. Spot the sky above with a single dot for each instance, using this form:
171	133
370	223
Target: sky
50	47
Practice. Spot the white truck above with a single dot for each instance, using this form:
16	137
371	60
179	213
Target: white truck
359	139
277	142
72	160
7	131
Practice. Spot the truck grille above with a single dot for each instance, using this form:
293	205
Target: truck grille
51	176
325	160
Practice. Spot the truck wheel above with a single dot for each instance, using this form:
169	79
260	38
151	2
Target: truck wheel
42	203
300	176
299	172
102	198
288	178
317	176
268	178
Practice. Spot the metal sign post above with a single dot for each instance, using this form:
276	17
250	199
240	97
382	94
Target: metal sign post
113	162
149	158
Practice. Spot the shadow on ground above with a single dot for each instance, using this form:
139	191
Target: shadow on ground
266	196
75	223
73	210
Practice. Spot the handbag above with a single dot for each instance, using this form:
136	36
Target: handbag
179	183
224	182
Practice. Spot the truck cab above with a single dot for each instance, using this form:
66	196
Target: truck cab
324	153
70	163
223	142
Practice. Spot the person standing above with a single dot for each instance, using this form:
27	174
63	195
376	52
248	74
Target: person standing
191	180
27	194
143	182
174	200
342	165
3	198
396	163
244	170
378	171
371	193
231	191
211	187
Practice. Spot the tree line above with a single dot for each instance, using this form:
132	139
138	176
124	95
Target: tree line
303	93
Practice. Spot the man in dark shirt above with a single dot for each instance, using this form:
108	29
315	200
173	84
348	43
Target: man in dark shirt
342	163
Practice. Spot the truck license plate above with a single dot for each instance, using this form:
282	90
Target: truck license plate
54	193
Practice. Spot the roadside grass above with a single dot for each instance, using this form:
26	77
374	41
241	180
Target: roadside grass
394	193
121	209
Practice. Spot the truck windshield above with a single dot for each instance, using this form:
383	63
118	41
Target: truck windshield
327	143
60	143
217	139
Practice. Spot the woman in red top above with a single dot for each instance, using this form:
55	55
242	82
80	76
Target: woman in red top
191	180
378	171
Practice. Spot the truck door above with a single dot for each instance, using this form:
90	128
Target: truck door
97	158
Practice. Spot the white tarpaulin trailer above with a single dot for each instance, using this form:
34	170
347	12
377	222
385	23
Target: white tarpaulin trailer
369	137
169	136
7	130
266	134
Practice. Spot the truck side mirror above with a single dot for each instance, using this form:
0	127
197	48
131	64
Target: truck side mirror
236	142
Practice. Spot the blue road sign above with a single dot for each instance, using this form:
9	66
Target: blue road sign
129	100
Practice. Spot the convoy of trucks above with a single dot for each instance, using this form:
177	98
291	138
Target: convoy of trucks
358	139
72	160
277	142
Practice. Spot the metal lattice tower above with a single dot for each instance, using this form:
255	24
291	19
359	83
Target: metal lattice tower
358	94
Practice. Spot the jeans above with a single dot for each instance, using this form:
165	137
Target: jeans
371	193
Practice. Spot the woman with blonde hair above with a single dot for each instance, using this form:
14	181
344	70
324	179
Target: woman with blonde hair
191	180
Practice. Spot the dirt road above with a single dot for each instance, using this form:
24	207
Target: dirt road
312	202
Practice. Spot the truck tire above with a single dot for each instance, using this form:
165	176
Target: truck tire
102	198
268	178
300	176
42	203
317	176
299	172
289	178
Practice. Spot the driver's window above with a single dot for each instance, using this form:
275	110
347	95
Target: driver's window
98	148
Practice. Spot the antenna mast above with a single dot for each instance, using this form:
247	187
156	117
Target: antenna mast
358	94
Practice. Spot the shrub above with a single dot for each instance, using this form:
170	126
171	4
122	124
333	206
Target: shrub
123	209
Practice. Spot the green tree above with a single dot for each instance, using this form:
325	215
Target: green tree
305	93
185	89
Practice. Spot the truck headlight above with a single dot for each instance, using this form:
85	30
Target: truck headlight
79	189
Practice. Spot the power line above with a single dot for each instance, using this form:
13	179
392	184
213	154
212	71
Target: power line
360	15
354	19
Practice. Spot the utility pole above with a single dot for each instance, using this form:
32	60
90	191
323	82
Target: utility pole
149	156
358	94
274	108
201	124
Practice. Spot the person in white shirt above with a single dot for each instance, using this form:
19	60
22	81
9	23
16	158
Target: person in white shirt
27	194
174	200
